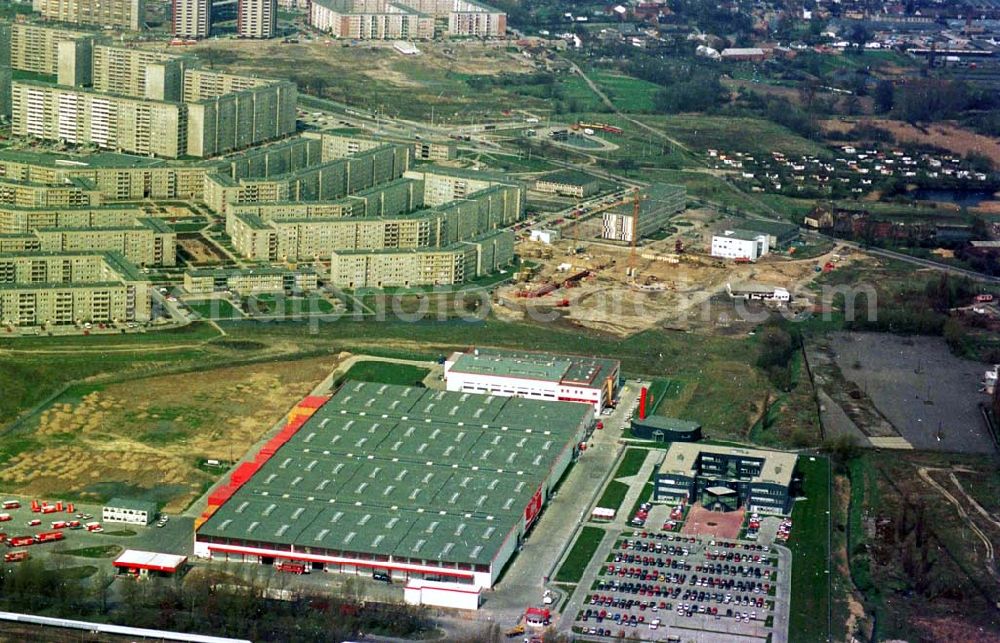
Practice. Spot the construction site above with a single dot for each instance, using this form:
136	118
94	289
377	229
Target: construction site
666	277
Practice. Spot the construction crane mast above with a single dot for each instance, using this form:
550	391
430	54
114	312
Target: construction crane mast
635	232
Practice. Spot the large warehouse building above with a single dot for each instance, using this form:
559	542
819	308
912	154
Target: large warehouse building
726	478
408	482
538	376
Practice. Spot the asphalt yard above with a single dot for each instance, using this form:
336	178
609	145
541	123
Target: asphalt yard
656	585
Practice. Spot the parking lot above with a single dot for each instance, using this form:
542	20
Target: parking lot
657	585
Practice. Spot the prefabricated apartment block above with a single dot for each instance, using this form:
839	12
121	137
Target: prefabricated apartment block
726	478
405	19
538	376
657	205
146	102
65	288
408	482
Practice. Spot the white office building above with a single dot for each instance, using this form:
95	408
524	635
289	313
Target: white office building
538	376
740	244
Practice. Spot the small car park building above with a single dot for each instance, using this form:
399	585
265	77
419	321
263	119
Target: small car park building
664	429
726	478
132	512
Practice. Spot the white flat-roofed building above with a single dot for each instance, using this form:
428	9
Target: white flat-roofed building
540	376
740	244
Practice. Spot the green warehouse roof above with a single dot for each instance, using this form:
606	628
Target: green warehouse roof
404	471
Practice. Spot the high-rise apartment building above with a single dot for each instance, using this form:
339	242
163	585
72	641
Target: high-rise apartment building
192	18
256	18
129	14
151	103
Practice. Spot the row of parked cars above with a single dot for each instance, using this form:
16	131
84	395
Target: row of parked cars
649	574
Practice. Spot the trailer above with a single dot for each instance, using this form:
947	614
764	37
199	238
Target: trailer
49	536
21	541
16	556
60	524
293	568
6	517
10	504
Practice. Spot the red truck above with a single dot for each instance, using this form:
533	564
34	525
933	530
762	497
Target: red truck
49	536
292	568
94	526
11	504
21	541
5	517
16	556
49	509
60	524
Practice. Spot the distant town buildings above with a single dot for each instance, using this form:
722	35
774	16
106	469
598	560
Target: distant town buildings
405	19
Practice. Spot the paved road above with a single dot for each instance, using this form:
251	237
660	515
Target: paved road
523	583
917	261
612	531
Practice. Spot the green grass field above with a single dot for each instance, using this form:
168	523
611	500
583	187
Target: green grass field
385	373
579	556
268	304
631	462
214	309
97	551
720	390
613	496
809	541
754	135
660	390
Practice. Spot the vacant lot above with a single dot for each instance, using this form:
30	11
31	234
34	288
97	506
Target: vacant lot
408	86
752	135
147	437
928	395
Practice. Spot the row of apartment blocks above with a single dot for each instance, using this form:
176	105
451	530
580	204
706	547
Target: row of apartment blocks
190	18
143	241
405	19
247	281
124	14
39	288
138	101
